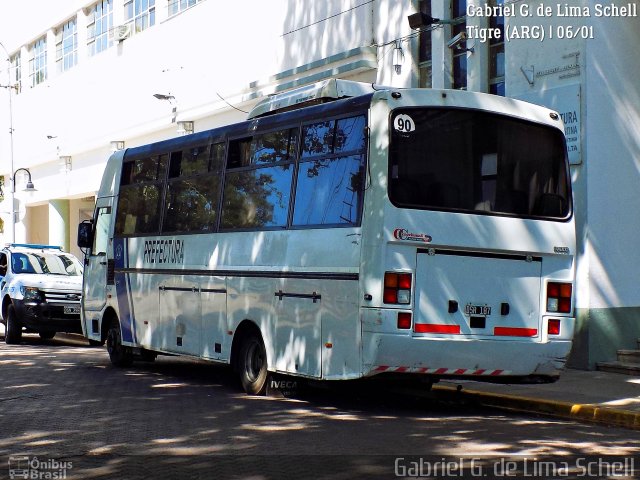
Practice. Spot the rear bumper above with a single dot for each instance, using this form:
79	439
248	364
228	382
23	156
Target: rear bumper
46	317
481	360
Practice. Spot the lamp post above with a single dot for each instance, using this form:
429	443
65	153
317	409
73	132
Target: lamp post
11	196
28	188
172	101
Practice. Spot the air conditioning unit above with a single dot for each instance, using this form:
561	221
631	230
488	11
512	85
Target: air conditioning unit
120	32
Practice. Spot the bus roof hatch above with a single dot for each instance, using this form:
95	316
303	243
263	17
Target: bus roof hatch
321	92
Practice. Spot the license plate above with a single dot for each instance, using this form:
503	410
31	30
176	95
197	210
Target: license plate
480	310
71	310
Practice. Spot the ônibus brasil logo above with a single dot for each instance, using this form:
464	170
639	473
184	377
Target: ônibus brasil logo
404	234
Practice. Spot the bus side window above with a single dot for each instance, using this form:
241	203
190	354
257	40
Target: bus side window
139	201
101	235
258	181
329	188
239	153
192	191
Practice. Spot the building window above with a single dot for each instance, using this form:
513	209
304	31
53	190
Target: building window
496	53
38	62
458	13
424	54
140	13
99	23
16	72
67	46
177	6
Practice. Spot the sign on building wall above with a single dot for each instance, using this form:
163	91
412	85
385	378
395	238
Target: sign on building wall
566	101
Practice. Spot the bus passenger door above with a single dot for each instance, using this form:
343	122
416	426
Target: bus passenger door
94	289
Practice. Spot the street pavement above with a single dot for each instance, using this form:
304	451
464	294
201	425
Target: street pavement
64	410
586	396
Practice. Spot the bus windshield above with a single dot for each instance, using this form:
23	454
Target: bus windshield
473	161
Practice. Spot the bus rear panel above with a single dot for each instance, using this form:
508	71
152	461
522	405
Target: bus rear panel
475	274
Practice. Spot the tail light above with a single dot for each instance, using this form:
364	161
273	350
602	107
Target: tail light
404	320
559	297
397	288
553	327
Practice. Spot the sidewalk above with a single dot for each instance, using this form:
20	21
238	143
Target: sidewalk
591	396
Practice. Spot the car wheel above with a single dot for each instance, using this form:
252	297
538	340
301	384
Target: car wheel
120	355
13	333
253	365
47	335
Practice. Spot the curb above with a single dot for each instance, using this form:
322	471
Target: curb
574	411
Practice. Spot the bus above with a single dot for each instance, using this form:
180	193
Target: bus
344	230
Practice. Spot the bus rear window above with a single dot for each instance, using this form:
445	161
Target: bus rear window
473	161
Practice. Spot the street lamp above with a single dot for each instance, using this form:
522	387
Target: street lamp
161	96
172	101
29	187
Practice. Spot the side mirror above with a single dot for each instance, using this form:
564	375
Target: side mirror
85	234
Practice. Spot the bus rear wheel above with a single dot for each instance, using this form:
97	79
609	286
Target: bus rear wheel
253	365
120	355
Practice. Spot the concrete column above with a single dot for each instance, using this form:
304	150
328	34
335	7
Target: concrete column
478	61
440	53
59	223
118	12
24	67
52	71
81	28
162	11
20	216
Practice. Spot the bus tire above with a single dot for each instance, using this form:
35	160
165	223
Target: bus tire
252	365
13	333
120	355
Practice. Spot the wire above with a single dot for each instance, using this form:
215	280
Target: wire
410	36
414	34
232	106
329	17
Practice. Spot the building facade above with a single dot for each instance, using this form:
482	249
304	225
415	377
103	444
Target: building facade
86	78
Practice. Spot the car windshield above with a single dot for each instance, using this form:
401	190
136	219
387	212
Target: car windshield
48	263
472	161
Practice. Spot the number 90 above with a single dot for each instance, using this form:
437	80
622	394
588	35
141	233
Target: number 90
404	123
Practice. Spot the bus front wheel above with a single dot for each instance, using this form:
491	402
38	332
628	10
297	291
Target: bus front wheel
253	365
119	355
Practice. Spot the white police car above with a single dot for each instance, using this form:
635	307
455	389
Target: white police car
40	286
